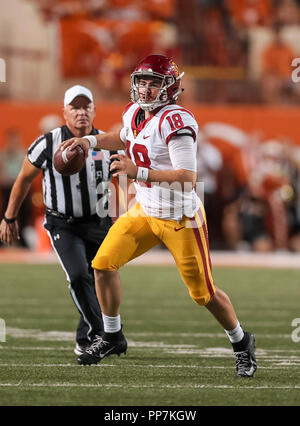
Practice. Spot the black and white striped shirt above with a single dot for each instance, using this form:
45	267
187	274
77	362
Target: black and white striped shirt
74	195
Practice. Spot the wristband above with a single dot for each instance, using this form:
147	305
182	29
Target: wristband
142	174
9	220
92	140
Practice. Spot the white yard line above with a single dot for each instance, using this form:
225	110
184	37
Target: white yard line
141	386
140	345
271	358
70	336
199	367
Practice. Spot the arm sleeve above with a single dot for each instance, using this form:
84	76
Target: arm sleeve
182	150
123	135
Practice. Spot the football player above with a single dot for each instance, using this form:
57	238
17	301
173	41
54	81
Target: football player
160	138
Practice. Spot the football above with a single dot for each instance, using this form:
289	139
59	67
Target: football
68	162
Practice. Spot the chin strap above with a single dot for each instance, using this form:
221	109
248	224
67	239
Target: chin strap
175	96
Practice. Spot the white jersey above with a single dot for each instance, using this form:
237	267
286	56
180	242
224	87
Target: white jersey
147	146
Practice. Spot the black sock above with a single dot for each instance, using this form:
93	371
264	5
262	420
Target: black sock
242	345
110	337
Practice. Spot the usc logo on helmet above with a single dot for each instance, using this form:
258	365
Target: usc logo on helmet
176	69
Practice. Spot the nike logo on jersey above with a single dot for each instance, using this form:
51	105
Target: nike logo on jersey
146	137
178	229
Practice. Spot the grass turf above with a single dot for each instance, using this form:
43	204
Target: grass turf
178	355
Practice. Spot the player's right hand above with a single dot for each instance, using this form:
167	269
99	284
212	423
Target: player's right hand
72	143
9	232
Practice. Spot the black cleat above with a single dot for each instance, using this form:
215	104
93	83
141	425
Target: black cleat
102	348
245	360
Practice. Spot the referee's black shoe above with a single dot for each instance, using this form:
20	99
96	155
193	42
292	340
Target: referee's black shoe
81	348
109	344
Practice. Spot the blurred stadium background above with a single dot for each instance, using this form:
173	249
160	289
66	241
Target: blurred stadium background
237	56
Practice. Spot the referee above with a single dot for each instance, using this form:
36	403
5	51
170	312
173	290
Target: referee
71	219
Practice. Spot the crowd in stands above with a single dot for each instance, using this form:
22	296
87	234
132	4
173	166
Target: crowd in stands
251	190
111	35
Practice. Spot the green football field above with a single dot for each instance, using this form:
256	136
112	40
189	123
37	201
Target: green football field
178	355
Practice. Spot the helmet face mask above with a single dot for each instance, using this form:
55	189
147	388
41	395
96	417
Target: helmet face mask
157	68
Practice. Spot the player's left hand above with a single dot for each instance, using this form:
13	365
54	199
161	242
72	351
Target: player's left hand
73	142
123	165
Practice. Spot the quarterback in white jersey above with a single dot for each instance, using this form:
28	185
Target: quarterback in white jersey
160	138
150	145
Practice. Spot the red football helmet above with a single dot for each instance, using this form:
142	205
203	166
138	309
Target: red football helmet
167	71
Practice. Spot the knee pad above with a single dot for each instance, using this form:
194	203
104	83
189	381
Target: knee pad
201	300
104	263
